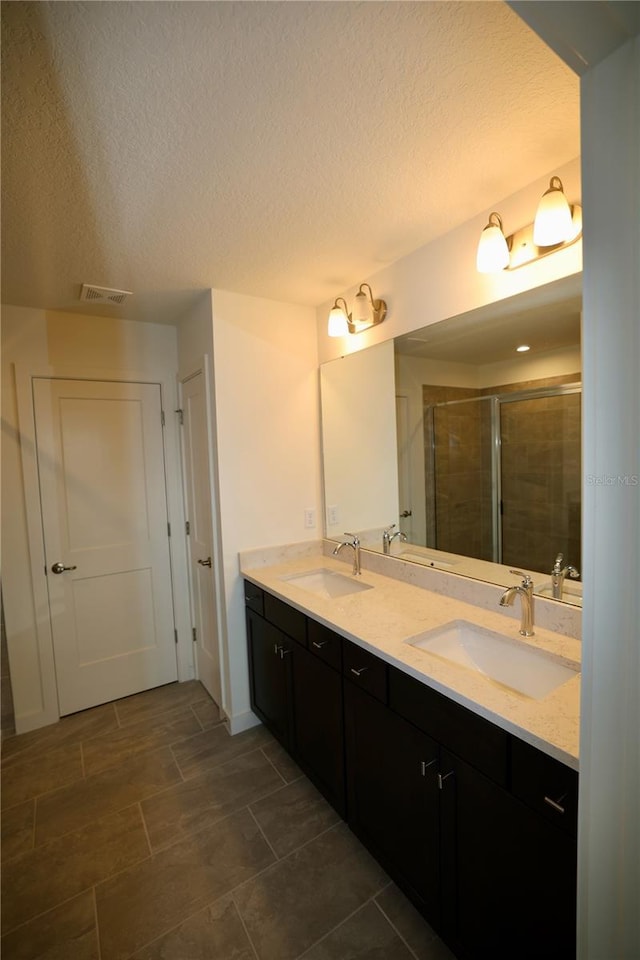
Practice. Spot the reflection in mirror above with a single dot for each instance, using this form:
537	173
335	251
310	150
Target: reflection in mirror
488	444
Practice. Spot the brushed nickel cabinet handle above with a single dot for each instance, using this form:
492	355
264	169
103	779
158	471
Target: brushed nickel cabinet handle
357	673
555	804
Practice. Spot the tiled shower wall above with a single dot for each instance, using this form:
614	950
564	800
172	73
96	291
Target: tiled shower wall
541	475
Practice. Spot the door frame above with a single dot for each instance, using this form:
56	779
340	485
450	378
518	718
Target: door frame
202	365
49	711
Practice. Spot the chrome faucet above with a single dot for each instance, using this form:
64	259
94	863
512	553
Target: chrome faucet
354	543
388	538
559	573
525	592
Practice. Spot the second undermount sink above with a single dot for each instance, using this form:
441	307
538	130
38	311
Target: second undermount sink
511	663
328	584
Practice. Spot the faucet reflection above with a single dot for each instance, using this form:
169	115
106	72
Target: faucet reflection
559	573
388	538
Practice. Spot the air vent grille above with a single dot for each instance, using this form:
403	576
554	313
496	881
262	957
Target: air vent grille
105	295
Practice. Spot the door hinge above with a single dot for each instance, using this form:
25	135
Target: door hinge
175	635
195	635
180	416
168	529
162	420
187	527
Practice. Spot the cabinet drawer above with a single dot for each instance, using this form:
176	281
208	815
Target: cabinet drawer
286	618
471	737
325	644
365	669
546	785
254	597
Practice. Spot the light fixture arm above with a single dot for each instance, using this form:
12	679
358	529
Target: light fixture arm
341	301
378	311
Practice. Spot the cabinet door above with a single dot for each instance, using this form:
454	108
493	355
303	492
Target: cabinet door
270	675
318	729
392	796
509	877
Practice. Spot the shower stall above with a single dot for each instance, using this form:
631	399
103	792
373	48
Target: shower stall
503	475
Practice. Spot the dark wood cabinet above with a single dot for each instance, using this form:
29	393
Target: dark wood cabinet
270	654
508	875
477	827
392	795
318	725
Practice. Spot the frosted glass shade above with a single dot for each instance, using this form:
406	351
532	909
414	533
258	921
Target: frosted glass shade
493	252
337	322
362	309
553	223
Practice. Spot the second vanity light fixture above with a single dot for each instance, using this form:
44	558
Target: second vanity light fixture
557	225
366	313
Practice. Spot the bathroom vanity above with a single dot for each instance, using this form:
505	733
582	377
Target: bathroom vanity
463	801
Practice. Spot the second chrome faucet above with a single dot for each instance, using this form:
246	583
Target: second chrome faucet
525	592
388	538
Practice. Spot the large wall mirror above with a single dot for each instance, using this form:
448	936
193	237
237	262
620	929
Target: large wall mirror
468	445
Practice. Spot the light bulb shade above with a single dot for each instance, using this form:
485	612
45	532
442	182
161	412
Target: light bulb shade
362	308
493	251
553	223
338	325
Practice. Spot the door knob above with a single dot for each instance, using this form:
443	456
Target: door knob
205	563
60	568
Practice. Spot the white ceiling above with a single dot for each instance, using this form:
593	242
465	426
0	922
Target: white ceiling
279	149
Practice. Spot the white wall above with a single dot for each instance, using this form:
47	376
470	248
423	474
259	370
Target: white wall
70	344
440	280
267	423
609	828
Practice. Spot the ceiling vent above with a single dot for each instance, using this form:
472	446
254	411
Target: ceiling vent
92	294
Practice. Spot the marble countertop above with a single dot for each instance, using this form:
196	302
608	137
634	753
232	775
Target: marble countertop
382	619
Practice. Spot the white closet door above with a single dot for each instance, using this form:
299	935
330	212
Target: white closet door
104	508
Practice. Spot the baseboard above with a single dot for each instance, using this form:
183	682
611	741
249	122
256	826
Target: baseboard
241	722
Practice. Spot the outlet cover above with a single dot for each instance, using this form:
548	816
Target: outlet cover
310	518
333	516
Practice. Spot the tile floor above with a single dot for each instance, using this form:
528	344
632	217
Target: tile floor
140	830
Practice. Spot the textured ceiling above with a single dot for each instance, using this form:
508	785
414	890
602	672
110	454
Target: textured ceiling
279	149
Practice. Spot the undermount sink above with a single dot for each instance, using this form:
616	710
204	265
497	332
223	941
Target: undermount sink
508	662
427	560
328	584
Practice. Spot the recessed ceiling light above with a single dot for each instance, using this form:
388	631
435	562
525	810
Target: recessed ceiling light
523	348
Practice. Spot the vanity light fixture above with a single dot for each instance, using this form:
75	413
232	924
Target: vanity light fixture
366	313
557	225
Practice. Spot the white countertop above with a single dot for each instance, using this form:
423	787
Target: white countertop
383	618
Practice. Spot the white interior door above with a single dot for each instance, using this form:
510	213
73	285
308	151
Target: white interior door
198	494
102	487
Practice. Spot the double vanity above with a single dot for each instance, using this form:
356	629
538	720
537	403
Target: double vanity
448	741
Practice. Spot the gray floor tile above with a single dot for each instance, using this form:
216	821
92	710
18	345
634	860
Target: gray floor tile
155	896
208	713
36	881
67	932
201	801
36	775
133	780
366	935
215	933
71	729
150	703
302	898
215	746
412	927
281	760
149	734
17	829
294	815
